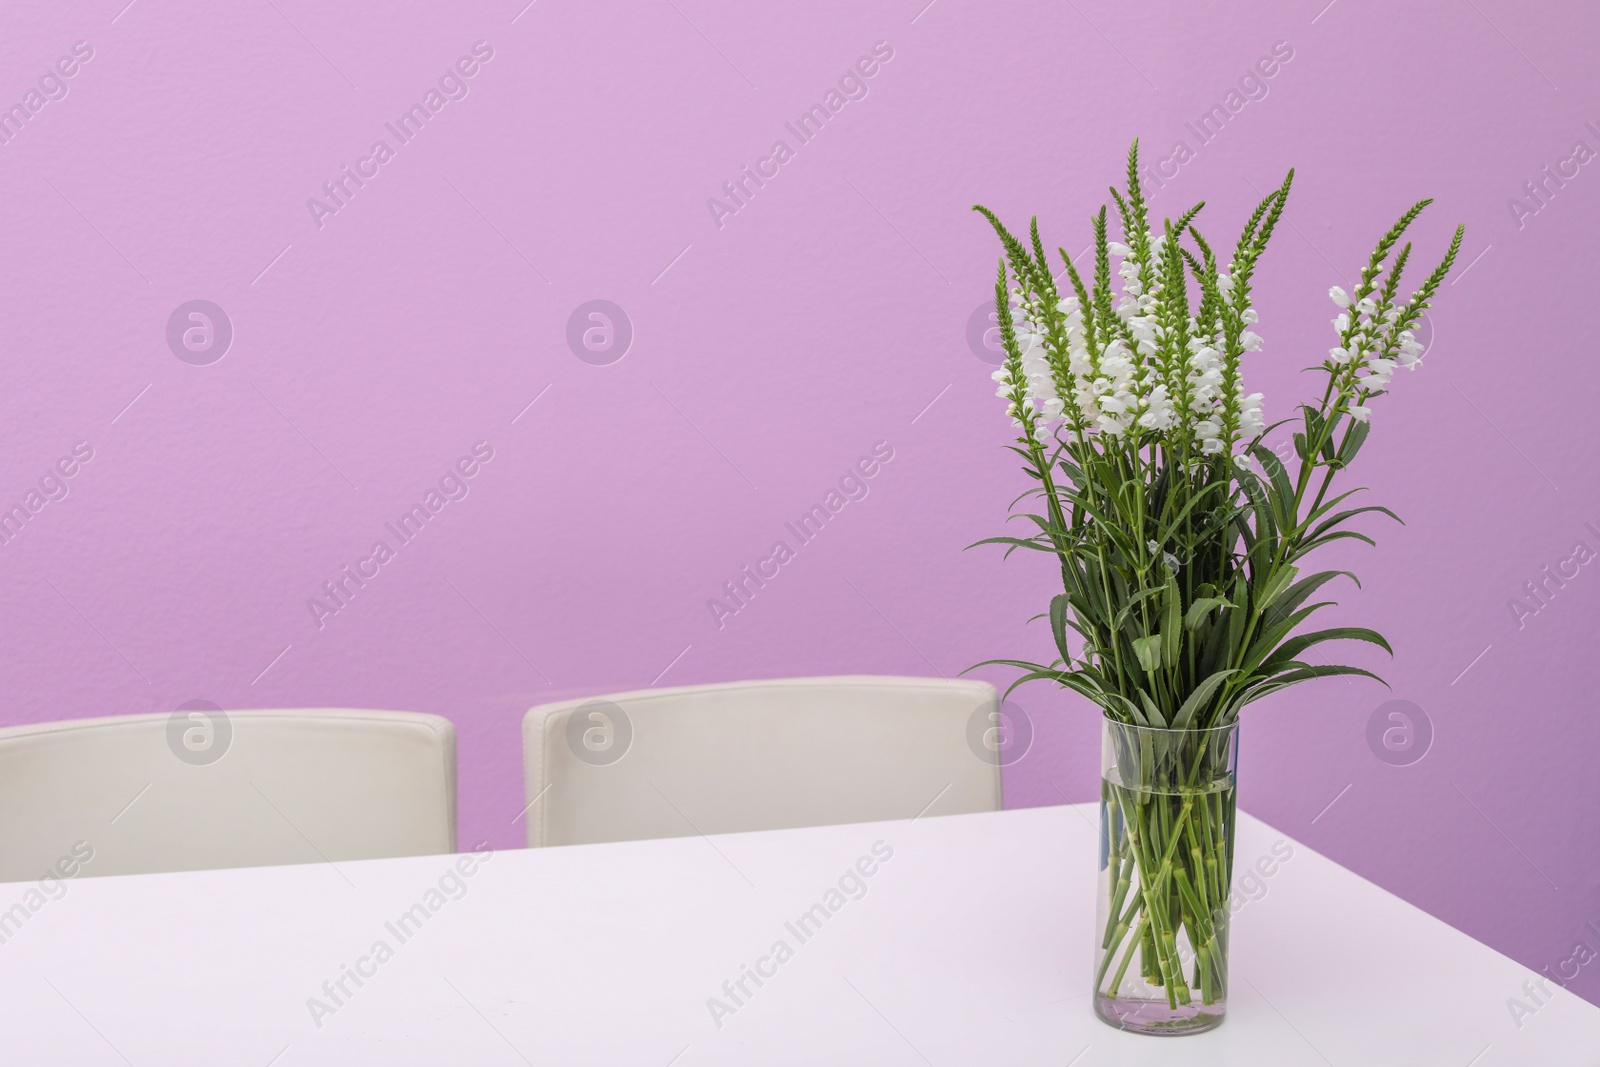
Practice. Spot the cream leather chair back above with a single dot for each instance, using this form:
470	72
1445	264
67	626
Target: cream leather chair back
756	756
204	789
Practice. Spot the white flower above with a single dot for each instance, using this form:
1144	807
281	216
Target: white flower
1339	297
1171	561
1158	414
1341	324
1366	306
1379	371
1339	356
1205	387
1251	418
1360	412
1250	317
1117	249
1225	283
1153	547
1250	341
1410	351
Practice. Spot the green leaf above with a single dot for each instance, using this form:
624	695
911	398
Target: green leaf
1202	607
1198	698
1014	542
1280	580
1292	648
1264	645
1299	592
1282	495
1152	714
1352	442
1172	626
1138	598
1343	516
1164	533
1265	532
1018	663
1148	649
1236	621
1304	672
1337	535
1058	621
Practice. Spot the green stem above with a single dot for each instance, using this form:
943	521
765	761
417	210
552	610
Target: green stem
1176	844
1133	945
1111	949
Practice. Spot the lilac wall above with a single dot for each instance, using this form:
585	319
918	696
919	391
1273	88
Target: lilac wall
773	346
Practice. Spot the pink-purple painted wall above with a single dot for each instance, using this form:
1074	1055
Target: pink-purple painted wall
574	156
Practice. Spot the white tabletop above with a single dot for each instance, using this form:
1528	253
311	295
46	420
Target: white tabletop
969	945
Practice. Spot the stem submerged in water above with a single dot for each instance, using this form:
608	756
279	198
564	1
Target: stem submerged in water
1169	864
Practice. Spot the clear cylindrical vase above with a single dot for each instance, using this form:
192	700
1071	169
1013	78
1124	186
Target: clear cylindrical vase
1166	872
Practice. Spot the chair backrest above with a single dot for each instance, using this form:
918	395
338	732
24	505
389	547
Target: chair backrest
199	789
756	756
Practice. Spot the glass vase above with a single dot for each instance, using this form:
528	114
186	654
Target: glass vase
1166	872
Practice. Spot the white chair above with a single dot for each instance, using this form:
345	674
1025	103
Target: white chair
194	790
756	755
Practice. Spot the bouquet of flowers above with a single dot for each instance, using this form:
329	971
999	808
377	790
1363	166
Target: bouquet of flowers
1180	535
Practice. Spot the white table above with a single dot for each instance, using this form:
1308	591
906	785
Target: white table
971	945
